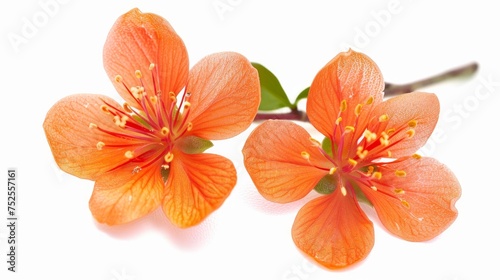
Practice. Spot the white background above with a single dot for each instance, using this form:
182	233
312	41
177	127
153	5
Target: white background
248	237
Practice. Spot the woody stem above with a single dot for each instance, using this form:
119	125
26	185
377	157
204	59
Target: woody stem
464	71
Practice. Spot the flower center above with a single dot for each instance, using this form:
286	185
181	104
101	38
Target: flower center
147	130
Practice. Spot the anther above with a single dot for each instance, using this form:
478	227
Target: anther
315	142
377	175
118	79
129	154
391	131
370	170
410	132
383	118
105	109
339	119
127	108
343	105
405	203
343	190
400	173
187	104
370	100
165	166
169	157
416	156
349	129
352	162
412	123
373	188
190	126
151	66
332	170
92	125
370	136
399	191
357	110
153	99
164	131
361	153
389	154
138	74
100	145
305	155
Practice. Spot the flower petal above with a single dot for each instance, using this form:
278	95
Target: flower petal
273	156
225	95
418	204
349	76
197	185
333	230
412	116
135	41
122	196
74	143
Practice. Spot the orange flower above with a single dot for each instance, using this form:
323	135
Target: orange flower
149	151
368	155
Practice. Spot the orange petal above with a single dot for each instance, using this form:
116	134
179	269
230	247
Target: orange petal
122	196
135	41
225	95
197	185
419	205
415	111
275	161
349	76
74	143
333	230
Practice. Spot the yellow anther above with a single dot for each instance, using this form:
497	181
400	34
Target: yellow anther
165	166
357	110
383	118
187	104
370	136
332	170
399	191
116	119
164	131
123	121
343	105
92	125
315	142
343	191
412	123
400	173
416	156
349	129
137	92
105	109
389	154
151	66
190	126
370	100
377	175
410	133
373	188
391	131
361	153
405	203
352	162
338	120
153	99
305	155
118	79
100	145
384	141
127	108
138	74
169	157
370	170
129	154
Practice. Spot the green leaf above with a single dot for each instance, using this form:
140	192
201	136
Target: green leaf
272	94
194	144
326	145
302	95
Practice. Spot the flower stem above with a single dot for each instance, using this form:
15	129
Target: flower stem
464	71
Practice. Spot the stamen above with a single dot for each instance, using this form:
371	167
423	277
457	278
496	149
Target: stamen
332	170
370	100
361	153
92	125
172	97
370	170
416	156
377	175
357	110
339	119
165	166
105	109
127	108
305	155
315	142
389	154
138	74
190	126
343	190
169	157
391	131
400	173
373	188
100	145
129	154
352	162
349	129
151	66
410	133
343	105
187	104
383	118
412	123
165	131
153	99
405	203
370	136
118	79
399	191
